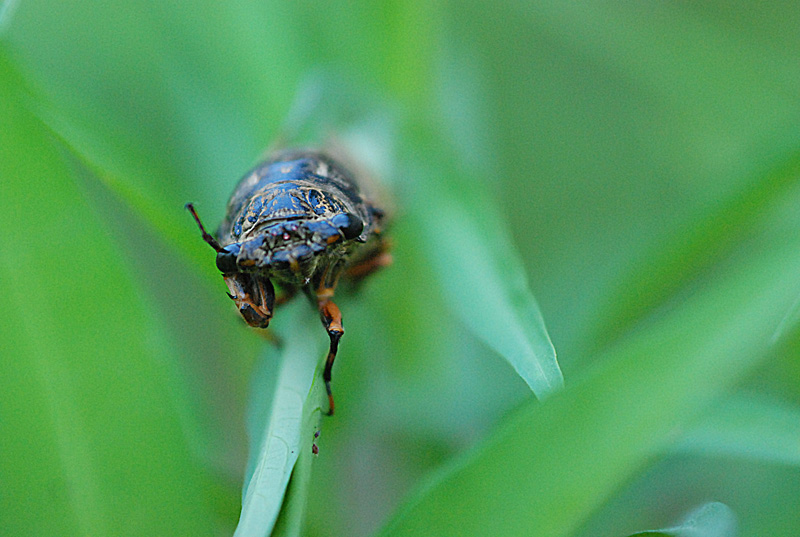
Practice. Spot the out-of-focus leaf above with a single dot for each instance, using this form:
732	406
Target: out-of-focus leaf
89	376
153	89
284	414
713	519
170	134
536	476
790	318
469	243
143	197
698	246
481	274
755	428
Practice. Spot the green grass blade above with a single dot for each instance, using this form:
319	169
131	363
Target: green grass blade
481	274
478	268
291	518
282	420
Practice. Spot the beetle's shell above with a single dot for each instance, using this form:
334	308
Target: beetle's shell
294	193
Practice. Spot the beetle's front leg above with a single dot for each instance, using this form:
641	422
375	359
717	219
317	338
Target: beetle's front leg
332	321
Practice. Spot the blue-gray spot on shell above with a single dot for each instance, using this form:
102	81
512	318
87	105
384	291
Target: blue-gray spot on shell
280	259
323	227
302	252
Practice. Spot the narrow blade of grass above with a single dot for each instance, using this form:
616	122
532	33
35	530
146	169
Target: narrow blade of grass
291	518
478	267
282	420
483	279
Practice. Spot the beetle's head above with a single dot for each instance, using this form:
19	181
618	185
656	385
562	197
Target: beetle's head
287	250
290	250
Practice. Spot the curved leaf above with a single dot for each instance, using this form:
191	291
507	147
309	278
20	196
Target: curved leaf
483	280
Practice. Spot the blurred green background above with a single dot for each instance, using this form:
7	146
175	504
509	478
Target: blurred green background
643	158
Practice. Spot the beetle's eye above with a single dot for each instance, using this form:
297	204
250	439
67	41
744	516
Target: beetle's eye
349	224
226	259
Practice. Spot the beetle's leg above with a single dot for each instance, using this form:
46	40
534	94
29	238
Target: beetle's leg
332	321
374	259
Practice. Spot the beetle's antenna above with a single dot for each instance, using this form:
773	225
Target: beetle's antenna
206	236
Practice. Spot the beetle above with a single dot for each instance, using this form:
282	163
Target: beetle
298	219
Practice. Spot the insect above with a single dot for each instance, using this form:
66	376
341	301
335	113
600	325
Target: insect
297	219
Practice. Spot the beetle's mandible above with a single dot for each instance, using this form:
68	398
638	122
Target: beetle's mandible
297	219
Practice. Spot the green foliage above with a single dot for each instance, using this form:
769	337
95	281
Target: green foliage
709	520
635	167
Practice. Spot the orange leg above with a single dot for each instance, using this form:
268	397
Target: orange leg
332	320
